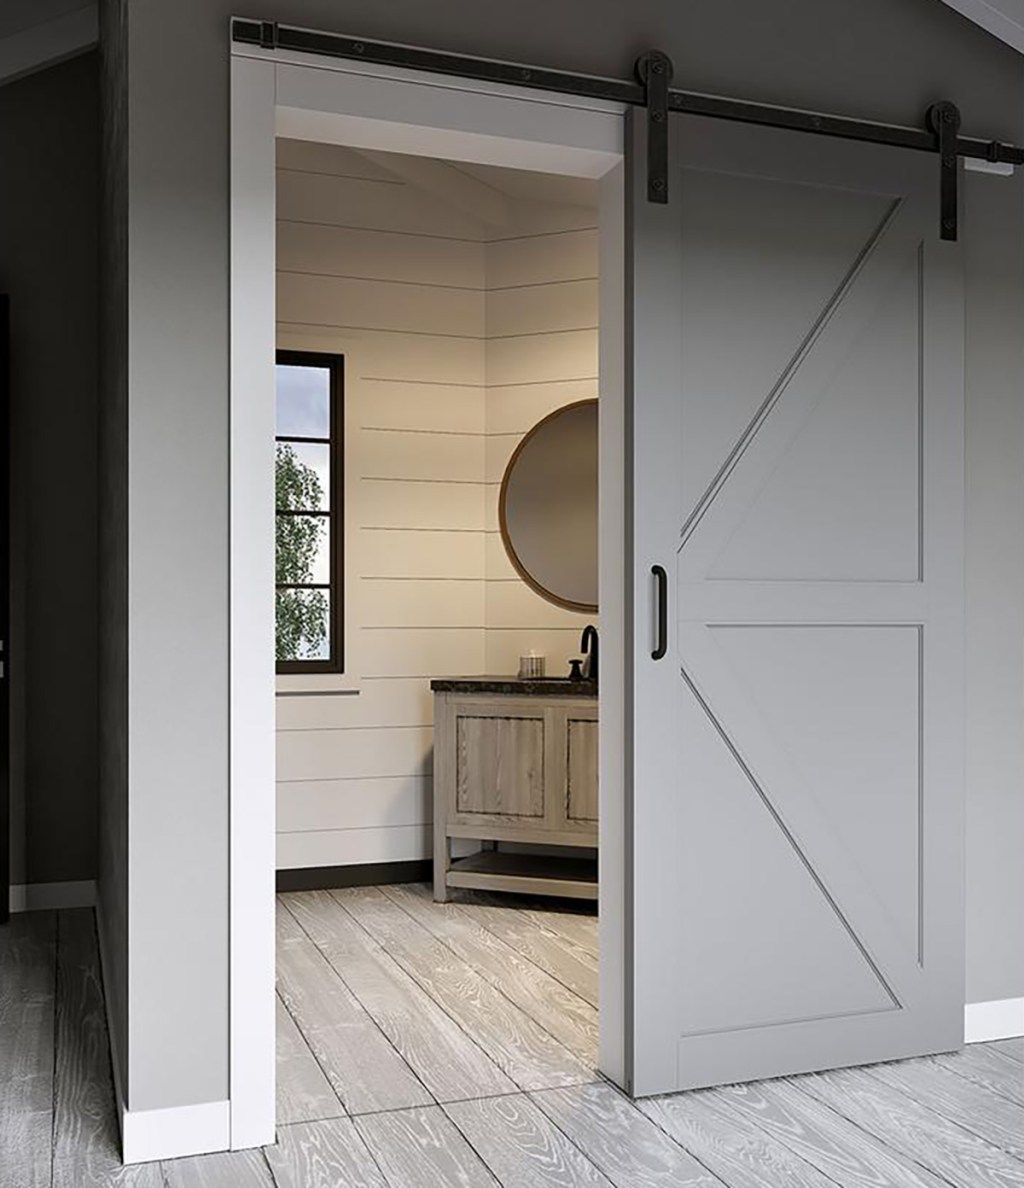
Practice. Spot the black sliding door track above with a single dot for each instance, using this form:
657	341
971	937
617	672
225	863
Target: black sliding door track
939	133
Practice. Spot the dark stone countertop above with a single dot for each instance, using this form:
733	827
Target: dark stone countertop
518	686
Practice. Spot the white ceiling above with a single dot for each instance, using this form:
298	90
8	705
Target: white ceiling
485	192
533	187
1002	18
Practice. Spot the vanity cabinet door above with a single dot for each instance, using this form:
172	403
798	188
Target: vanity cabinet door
516	768
581	768
499	764
498	761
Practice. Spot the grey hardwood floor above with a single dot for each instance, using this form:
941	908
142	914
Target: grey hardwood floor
426	1046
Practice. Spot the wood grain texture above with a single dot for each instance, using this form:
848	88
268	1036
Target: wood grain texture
522	1146
967	1103
500	765
447	1060
835	1146
72	1174
28	954
85	1138
364	1069
423	1149
917	1132
304	1093
581	794
570	1019
26	1131
579	928
738	1153
621	1141
912	1124
989	1068
524	1051
323	1154
1010	1047
571	965
227	1169
28	962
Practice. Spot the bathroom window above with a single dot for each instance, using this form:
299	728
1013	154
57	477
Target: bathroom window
310	515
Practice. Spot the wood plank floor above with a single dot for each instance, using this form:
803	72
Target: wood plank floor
424	1045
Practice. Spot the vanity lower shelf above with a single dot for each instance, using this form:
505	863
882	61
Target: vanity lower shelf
515	762
531	874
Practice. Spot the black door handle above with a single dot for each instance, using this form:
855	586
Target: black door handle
661	578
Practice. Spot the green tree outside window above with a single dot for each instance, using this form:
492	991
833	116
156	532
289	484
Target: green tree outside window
302	615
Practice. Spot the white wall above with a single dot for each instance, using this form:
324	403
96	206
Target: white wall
374	267
541	354
458	334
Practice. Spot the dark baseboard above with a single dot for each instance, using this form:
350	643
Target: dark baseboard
322	878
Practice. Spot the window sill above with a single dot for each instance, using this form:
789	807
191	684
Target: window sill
298	683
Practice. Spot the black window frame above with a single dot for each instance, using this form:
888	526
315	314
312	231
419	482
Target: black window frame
334	364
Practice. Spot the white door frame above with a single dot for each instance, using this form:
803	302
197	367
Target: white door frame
352	103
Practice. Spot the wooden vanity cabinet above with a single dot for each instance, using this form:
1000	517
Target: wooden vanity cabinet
515	761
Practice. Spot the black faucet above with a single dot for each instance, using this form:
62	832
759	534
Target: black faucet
588	646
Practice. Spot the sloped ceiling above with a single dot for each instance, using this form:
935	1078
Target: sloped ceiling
35	34
1002	18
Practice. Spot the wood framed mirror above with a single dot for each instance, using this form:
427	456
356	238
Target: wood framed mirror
547	509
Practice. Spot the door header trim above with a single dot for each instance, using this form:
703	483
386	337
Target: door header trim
939	133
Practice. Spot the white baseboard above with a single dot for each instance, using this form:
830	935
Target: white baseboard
176	1132
47	897
985	1021
172	1133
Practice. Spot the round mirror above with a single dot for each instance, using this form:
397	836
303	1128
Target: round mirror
548	507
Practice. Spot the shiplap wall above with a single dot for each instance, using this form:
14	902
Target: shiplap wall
541	353
458	336
379	270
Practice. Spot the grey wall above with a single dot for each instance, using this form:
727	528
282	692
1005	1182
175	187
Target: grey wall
995	587
886	59
112	875
48	263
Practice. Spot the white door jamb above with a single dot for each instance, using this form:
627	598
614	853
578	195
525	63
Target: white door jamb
379	108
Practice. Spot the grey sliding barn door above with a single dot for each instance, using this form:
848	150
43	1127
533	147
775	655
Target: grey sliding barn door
797	451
